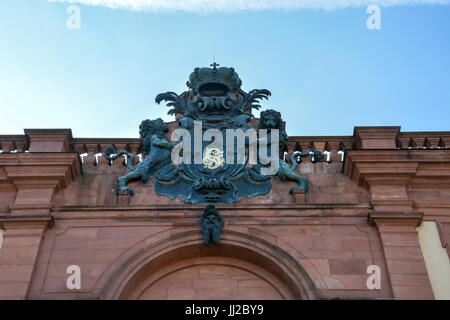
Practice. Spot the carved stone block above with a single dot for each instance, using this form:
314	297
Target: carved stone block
299	195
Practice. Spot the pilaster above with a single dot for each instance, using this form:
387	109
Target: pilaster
404	259
19	251
36	176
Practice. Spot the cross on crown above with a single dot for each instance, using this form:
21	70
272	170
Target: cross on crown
214	65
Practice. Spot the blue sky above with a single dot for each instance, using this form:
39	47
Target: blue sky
327	72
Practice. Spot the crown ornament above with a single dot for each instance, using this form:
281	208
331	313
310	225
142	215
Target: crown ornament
214	81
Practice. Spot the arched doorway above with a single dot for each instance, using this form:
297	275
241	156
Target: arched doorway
241	267
210	278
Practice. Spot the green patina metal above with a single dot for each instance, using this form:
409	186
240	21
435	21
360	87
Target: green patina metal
211	223
215	99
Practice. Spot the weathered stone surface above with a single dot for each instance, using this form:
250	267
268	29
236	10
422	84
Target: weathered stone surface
57	212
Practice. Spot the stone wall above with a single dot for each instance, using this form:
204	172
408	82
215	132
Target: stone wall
59	209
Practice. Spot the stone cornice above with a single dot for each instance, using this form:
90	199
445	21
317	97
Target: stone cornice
29	167
395	218
184	207
37	176
361	164
440	205
389	174
239	211
26	221
31	209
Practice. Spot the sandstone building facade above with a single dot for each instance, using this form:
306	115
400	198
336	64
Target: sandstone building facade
382	199
371	220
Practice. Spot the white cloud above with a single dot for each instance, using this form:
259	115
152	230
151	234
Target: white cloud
206	6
